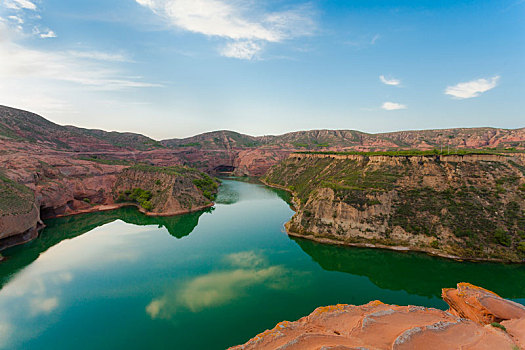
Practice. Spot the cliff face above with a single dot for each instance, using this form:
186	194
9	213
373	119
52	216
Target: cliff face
469	206
375	325
37	186
173	190
73	170
19	214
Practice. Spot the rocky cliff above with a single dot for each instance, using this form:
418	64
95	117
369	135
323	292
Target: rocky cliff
71	170
477	319
19	214
38	186
461	206
166	191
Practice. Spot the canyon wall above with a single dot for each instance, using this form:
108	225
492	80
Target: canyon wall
459	206
54	185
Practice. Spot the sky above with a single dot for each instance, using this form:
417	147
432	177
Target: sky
176	68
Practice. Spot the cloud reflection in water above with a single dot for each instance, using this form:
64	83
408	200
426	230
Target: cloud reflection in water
217	288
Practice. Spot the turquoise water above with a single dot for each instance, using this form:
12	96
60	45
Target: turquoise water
206	280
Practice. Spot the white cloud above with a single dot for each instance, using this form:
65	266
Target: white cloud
392	106
20	4
18	62
389	81
246	25
472	88
16	19
99	56
49	34
241	49
375	39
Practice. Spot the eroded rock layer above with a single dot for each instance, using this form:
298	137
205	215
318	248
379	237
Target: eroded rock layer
381	326
459	206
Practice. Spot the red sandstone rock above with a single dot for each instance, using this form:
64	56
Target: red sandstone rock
481	305
380	326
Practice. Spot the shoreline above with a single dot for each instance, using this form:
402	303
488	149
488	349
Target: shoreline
114	206
398	248
21	238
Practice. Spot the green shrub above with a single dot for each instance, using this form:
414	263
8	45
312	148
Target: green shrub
498	325
207	186
521	247
502	237
434	244
136	195
147	205
158	182
86	200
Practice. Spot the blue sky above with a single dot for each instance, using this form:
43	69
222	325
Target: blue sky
174	68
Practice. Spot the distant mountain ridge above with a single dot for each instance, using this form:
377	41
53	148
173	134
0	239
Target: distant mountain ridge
20	125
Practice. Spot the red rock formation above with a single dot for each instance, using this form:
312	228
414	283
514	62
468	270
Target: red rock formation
381	326
485	307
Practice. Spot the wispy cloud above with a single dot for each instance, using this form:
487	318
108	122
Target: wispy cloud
18	10
99	56
80	67
375	38
389	81
472	88
241	49
20	4
393	106
49	34
17	19
36	79
245	26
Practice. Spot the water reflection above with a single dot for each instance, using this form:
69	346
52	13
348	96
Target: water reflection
416	273
229	192
240	272
69	227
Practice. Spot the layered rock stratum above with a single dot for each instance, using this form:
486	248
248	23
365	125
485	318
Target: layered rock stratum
71	170
469	206
477	319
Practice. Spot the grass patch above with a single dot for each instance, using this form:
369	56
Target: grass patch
498	325
106	161
15	198
137	195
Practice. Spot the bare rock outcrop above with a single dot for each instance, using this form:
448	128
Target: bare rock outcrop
381	326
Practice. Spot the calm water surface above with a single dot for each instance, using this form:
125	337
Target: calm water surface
206	280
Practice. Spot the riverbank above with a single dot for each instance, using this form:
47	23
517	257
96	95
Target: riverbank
399	248
469	207
33	233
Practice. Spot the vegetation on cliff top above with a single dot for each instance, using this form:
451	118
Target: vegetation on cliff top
479	203
207	185
15	198
154	187
417	152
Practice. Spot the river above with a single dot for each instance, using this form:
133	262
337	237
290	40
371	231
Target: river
206	280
